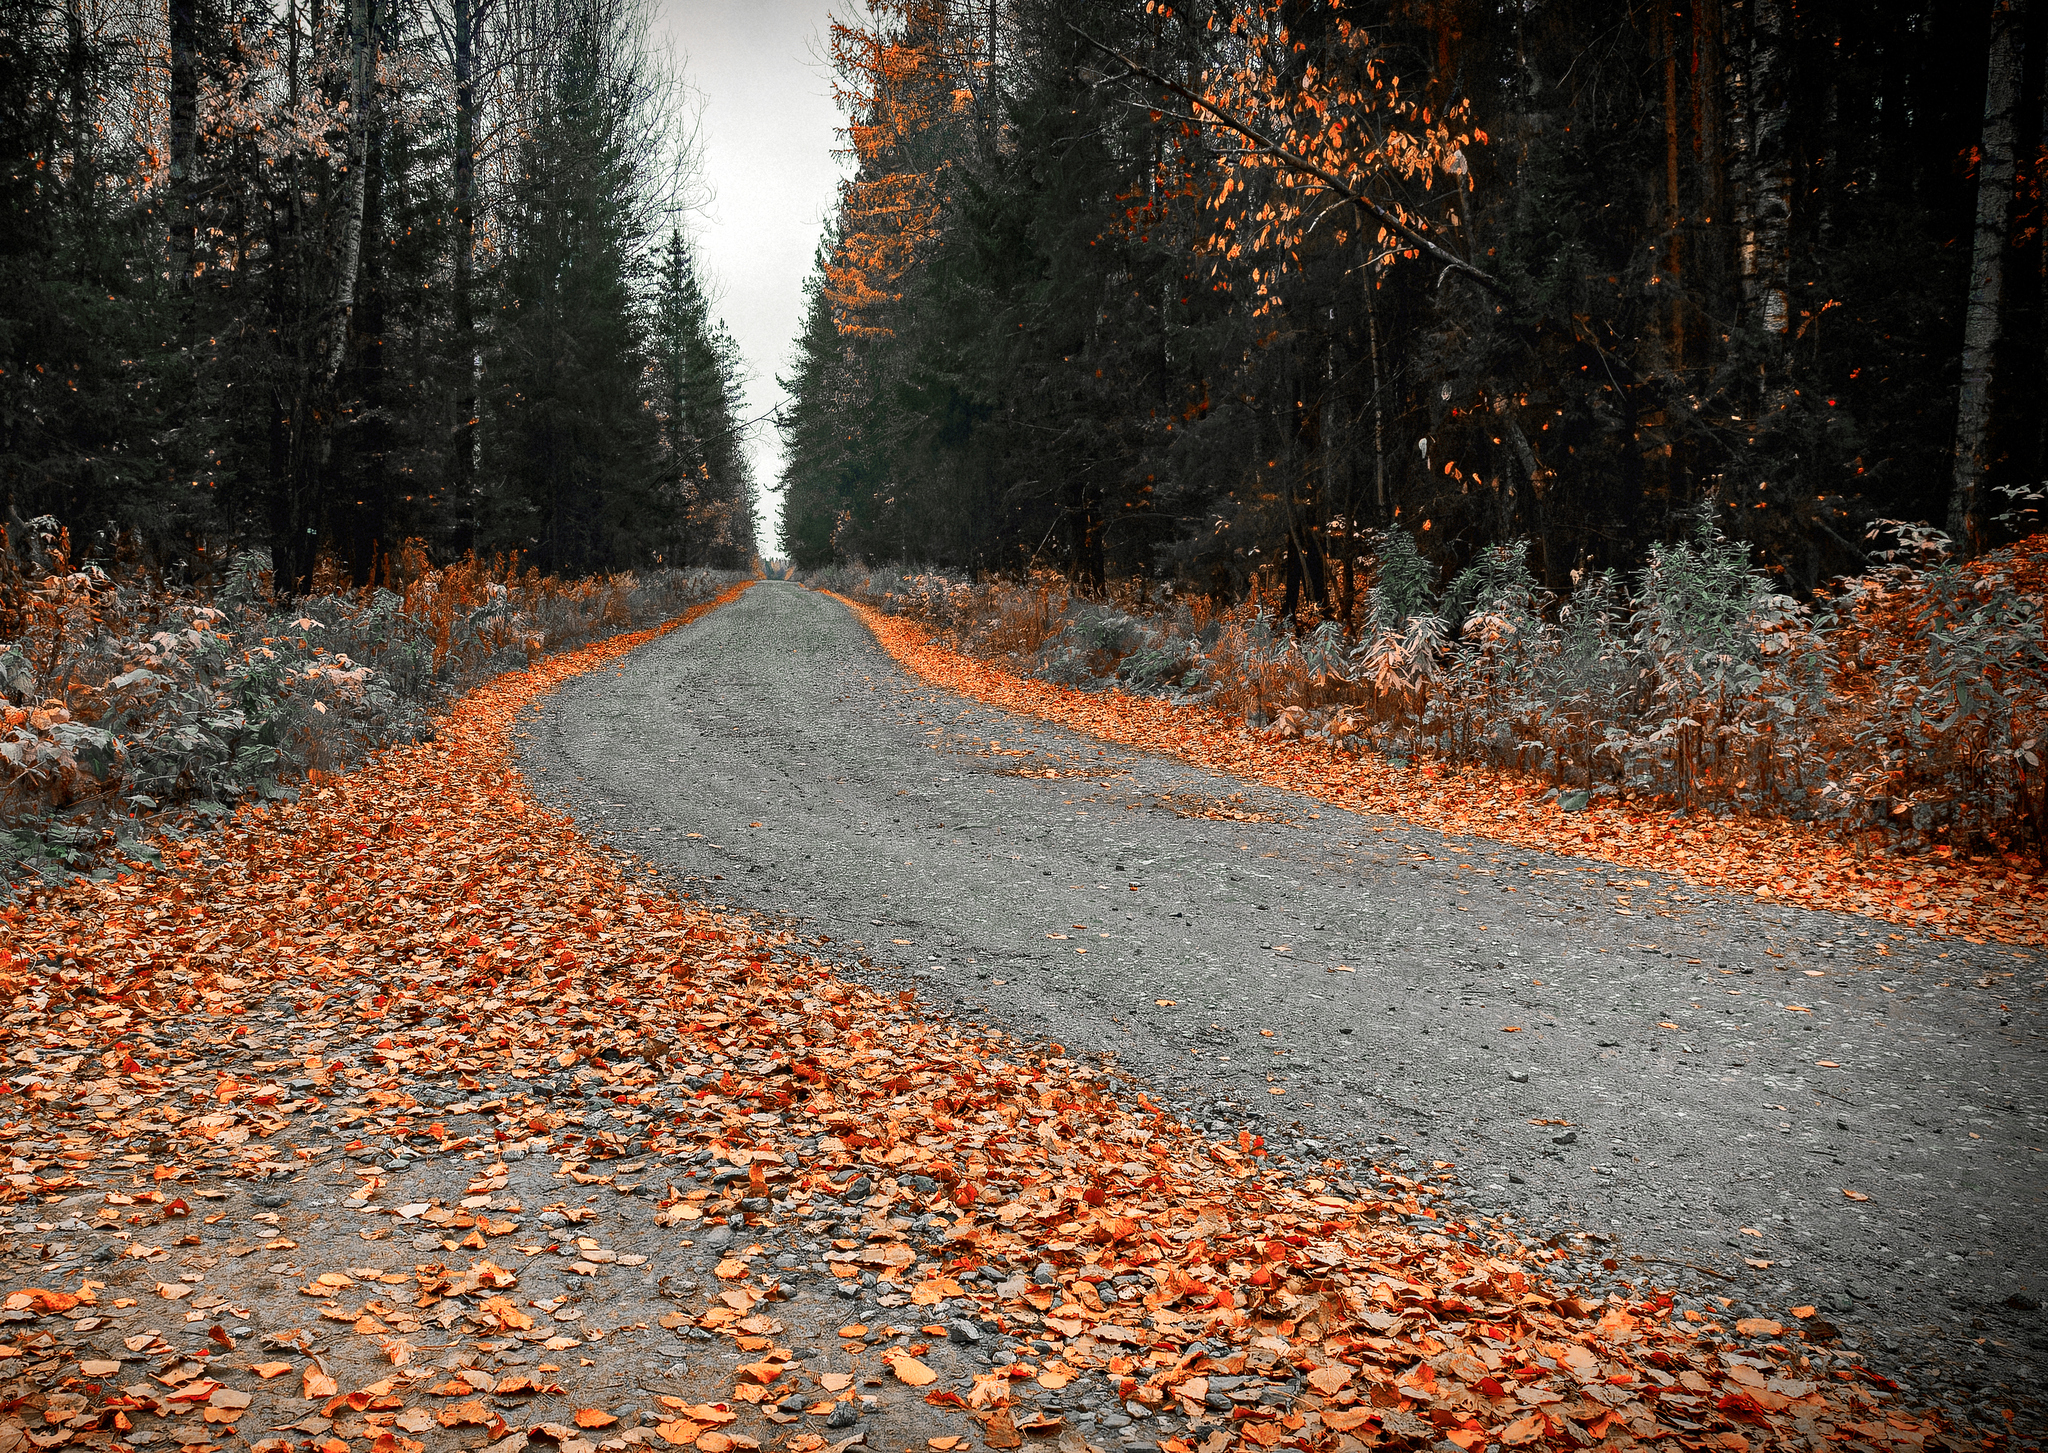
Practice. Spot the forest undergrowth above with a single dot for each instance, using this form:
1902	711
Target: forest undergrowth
1879	749
1039	1192
129	707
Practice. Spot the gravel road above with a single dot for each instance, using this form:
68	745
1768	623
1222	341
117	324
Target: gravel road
1686	1085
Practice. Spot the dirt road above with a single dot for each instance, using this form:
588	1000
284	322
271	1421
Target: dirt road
1760	1103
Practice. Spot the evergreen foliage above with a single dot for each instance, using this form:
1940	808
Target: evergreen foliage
1700	258
330	379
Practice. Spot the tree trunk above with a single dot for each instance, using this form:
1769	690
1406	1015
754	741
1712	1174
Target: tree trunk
1987	275
1765	256
1379	408
83	182
362	80
182	200
462	456
1710	142
1673	267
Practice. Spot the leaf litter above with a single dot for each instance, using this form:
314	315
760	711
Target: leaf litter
426	919
1773	859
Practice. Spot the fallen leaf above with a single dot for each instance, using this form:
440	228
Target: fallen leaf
1000	1431
909	1370
1326	1380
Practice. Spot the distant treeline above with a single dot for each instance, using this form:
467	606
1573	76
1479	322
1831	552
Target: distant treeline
1190	290
326	277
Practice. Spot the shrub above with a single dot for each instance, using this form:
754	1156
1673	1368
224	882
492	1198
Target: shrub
121	699
1910	705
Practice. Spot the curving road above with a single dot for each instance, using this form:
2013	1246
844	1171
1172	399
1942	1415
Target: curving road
1600	1050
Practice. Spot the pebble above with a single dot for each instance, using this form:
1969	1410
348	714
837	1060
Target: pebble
719	1236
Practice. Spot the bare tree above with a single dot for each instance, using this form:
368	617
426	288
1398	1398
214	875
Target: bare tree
1981	325
361	91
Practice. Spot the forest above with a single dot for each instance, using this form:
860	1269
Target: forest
1219	294
329	278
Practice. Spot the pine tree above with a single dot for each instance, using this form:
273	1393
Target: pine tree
574	445
707	483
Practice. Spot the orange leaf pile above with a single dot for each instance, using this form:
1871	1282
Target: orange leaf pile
1076	1212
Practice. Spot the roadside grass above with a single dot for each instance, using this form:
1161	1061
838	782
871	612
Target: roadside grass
129	707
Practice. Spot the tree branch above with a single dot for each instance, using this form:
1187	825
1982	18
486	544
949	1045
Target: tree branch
1295	162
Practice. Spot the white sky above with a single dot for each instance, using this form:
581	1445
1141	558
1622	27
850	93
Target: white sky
768	130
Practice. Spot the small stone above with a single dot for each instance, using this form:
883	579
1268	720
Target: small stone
1520	1077
843	1416
1576	800
719	1236
1045	1273
1515	1178
963	1332
1570	1137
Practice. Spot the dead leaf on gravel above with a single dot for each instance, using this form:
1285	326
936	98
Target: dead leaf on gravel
1000	1431
474	1413
909	1370
594	1418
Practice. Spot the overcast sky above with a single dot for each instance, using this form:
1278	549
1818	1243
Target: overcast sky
768	131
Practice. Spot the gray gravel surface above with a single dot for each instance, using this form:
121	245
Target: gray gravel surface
1606	1053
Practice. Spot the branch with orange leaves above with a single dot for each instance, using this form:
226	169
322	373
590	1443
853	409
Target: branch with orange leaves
1294	161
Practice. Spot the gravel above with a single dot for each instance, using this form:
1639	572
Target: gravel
1595	1049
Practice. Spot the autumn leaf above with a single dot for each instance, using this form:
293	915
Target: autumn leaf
594	1418
910	1371
1327	1380
1000	1431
